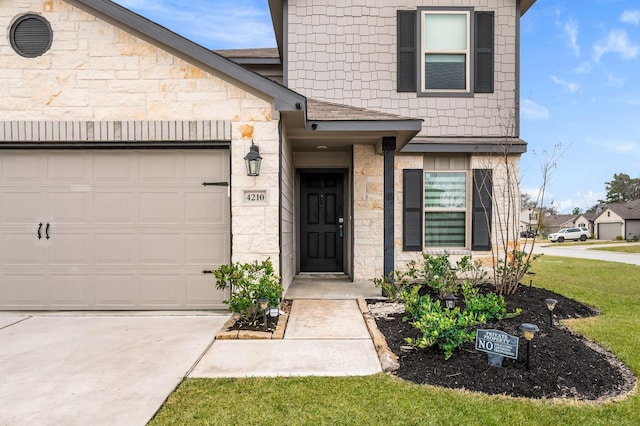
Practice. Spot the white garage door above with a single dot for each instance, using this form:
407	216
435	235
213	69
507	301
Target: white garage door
609	231
112	229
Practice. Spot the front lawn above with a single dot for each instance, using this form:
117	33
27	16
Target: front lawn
385	400
634	248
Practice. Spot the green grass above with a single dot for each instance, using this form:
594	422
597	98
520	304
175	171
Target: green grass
385	400
635	248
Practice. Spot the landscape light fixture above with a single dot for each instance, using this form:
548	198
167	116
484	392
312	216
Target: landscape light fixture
263	303
253	160
450	301
529	330
551	304
531	275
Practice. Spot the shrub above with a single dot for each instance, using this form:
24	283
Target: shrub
435	272
393	285
445	328
486	307
247	283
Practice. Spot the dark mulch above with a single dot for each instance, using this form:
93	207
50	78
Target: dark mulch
562	364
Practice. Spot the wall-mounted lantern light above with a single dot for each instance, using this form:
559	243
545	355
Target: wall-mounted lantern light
253	160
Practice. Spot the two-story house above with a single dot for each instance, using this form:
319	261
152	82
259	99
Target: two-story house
128	153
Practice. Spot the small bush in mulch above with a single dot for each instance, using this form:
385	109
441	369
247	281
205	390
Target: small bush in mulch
563	364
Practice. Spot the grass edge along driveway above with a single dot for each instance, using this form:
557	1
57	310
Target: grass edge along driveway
382	399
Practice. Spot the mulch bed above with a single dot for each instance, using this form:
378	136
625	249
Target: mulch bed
562	364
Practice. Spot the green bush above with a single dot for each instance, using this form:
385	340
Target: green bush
487	307
247	283
445	328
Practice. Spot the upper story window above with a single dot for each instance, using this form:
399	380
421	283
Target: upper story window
445	51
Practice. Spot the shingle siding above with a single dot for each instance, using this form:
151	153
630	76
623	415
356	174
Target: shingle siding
345	52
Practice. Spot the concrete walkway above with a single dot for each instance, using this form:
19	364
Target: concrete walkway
323	338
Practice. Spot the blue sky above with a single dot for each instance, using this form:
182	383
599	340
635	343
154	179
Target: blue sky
578	63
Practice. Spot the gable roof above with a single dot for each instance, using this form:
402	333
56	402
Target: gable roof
558	219
628	210
285	98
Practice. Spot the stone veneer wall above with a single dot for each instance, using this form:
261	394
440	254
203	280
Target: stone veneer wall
345	52
368	213
98	72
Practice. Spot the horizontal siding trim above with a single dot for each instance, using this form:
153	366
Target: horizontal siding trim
115	131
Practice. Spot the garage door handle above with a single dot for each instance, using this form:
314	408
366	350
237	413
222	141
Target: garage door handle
206	271
39	229
46	230
215	183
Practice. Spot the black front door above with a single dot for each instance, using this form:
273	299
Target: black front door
321	221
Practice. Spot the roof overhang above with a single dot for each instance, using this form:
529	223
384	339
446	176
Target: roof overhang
467	145
525	5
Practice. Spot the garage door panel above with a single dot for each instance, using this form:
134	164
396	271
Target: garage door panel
70	248
215	169
115	249
117	291
21	207
24	291
67	167
21	249
160	207
162	290
161	249
128	229
159	167
201	290
70	291
22	168
206	249
209	207
114	207
69	207
111	168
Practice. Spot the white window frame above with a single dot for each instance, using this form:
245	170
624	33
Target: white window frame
424	51
466	209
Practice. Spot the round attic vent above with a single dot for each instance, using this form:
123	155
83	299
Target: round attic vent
31	36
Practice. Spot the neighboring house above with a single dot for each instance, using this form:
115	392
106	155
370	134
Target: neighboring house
554	222
123	146
619	221
529	220
586	220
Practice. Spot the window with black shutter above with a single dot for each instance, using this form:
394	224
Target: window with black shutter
437	52
413	199
482	210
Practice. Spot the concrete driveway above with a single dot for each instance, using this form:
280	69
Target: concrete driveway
588	251
96	369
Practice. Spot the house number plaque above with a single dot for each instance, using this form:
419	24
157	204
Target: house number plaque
255	197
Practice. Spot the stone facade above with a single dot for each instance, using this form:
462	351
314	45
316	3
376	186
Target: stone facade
345	52
98	72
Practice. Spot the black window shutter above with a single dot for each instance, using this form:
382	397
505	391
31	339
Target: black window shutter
482	209
413	196
483	52
407	50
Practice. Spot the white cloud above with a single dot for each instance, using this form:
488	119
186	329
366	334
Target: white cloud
529	109
614	81
631	17
616	41
583	68
569	86
583	200
571	30
618	147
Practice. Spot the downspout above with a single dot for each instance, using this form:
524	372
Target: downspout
389	150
